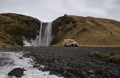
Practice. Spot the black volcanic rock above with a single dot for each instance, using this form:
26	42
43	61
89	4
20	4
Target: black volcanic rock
75	62
17	72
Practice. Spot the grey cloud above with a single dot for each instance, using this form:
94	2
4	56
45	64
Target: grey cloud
48	10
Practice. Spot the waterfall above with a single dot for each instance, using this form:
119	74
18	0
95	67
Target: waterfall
45	35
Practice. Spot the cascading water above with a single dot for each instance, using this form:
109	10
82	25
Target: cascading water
45	35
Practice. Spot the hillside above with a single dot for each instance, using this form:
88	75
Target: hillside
15	27
86	30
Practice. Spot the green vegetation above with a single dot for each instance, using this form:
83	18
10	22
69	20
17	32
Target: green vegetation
112	57
13	27
99	54
86	30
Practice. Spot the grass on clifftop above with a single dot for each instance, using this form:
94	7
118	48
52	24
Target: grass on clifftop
13	27
86	30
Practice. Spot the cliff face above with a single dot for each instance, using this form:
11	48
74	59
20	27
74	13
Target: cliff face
13	27
86	30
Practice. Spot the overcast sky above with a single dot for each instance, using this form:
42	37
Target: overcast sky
49	10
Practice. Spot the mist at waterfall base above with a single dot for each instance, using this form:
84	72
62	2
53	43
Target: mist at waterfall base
45	35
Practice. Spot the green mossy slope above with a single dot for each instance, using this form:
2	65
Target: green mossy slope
86	30
13	27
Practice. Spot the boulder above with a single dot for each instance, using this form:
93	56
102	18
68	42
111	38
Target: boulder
17	72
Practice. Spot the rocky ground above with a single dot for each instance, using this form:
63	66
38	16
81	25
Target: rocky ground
72	62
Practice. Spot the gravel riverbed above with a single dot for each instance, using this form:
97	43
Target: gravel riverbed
71	62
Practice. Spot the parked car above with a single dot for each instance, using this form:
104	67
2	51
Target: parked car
70	43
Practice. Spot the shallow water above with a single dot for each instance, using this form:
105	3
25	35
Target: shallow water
11	60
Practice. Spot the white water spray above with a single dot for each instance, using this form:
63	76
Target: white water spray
45	35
